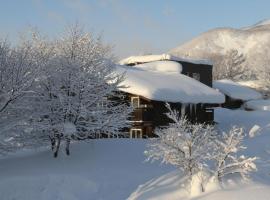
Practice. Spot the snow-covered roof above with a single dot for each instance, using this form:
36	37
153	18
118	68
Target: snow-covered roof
161	66
151	58
258	104
170	87
235	90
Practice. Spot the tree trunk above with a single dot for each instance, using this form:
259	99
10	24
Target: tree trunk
52	143
56	150
67	146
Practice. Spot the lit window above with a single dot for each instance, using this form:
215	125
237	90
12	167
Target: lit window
135	133
135	102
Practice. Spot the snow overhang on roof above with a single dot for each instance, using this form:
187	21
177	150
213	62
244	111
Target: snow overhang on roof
151	58
235	90
161	66
167	87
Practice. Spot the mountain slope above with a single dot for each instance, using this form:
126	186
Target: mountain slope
252	41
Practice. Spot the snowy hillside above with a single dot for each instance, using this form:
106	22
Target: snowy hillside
253	41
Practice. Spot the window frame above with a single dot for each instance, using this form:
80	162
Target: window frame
138	133
132	102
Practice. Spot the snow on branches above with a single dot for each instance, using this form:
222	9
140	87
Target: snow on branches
230	66
226	158
20	66
62	90
79	91
199	151
182	144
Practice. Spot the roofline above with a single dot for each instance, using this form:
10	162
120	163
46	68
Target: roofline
163	57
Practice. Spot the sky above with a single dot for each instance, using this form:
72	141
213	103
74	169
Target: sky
133	27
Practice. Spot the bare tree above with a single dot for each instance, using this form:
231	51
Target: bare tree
230	66
263	72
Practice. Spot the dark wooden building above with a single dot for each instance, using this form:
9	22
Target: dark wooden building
150	113
235	94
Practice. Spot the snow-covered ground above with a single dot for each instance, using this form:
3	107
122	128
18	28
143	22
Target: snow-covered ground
114	169
168	186
98	170
263	104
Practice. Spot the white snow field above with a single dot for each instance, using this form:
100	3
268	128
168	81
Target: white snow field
114	169
99	170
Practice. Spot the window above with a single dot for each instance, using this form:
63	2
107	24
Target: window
196	76
135	102
135	133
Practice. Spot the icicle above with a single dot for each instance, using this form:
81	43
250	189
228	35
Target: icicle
183	109
190	109
195	109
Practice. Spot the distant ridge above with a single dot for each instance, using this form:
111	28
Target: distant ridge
253	41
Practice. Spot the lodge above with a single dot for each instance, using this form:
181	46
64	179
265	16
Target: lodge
151	81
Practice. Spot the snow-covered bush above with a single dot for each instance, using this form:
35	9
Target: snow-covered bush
199	151
226	156
183	144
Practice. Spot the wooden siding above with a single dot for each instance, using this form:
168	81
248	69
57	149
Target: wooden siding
152	114
205	71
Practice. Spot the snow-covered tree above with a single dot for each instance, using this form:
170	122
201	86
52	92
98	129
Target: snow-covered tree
263	72
226	155
78	92
199	151
230	66
19	68
183	144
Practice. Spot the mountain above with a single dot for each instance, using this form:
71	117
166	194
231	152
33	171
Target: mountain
252	41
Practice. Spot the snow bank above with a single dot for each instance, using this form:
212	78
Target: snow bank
151	58
161	66
169	187
170	87
235	90
258	105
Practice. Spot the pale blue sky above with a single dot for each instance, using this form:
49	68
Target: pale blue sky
132	26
